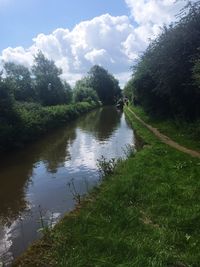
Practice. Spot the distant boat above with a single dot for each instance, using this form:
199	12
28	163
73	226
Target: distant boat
120	104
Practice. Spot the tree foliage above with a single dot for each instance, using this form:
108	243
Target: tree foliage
166	78
19	78
68	92
105	84
48	84
7	112
128	90
196	74
84	92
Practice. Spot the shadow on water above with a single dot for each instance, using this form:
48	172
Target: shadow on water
38	175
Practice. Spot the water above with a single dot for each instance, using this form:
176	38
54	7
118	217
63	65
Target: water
34	182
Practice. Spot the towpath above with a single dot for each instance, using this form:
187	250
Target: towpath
166	139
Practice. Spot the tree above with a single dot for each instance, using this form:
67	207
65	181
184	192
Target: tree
83	91
106	86
48	84
196	73
68	92
7	112
19	78
167	74
128	90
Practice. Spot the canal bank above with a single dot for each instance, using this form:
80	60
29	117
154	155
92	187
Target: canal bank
37	182
33	121
145	214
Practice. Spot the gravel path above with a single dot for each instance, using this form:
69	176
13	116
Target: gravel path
166	139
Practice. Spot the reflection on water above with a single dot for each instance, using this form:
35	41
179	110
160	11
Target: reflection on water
35	180
100	123
17	170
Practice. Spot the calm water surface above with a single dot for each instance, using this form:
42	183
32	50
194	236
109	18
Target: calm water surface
34	181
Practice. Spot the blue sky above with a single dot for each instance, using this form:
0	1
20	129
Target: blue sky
77	34
24	19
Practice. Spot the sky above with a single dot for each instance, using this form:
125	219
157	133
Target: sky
77	34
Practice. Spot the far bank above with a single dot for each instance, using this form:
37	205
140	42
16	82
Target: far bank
33	121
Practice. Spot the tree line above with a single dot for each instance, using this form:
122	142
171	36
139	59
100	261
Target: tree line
166	79
42	84
34	100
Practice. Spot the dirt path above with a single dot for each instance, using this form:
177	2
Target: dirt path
166	139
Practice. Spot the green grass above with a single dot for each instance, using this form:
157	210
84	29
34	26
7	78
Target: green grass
181	131
146	214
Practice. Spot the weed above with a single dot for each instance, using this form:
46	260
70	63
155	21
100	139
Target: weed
129	151
106	167
74	192
46	225
181	165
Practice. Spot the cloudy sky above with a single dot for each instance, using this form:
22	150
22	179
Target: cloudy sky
77	34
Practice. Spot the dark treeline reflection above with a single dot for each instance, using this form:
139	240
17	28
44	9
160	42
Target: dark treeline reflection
17	169
56	148
101	122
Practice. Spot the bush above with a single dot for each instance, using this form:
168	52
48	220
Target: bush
167	78
35	120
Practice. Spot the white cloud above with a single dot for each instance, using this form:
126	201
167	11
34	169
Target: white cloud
123	77
154	11
150	16
98	41
18	55
99	55
113	42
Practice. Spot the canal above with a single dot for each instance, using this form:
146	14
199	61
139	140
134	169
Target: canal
35	181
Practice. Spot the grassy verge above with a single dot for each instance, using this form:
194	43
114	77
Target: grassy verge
187	134
33	120
145	214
